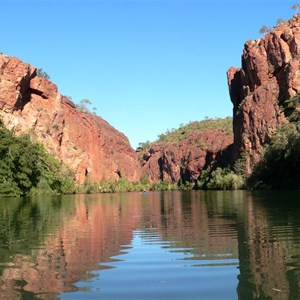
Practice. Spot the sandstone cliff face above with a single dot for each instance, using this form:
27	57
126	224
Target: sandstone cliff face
184	160
92	148
269	75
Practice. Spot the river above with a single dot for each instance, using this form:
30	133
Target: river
156	245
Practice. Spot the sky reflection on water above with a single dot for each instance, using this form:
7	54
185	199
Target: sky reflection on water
179	245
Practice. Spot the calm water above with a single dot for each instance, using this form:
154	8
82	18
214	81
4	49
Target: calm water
173	245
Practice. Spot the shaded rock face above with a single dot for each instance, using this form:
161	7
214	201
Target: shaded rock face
93	149
269	75
185	160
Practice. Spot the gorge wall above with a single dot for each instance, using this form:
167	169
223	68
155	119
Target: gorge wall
30	104
94	150
269	75
87	144
184	159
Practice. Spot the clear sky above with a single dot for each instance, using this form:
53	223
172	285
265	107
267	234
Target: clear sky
147	66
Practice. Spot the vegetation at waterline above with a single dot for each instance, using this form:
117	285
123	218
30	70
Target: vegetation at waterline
216	178
220	179
26	168
123	185
279	164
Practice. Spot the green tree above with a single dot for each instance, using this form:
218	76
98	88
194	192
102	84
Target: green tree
280	21
84	105
264	29
296	8
94	110
41	73
145	145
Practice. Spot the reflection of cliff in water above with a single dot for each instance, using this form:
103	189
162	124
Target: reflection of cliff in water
87	232
194	220
81	232
50	244
269	236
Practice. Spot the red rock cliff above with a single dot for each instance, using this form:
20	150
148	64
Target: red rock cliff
86	143
269	75
184	159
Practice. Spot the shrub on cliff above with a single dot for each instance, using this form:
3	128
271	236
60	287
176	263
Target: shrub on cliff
185	131
264	29
296	8
291	108
26	168
280	163
84	105
41	73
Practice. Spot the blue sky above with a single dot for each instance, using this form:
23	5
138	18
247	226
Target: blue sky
147	66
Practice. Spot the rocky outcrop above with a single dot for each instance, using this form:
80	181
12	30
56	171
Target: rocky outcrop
93	149
184	160
269	75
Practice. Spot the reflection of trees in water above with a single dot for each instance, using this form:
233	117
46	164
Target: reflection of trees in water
82	233
268	241
194	220
24	223
50	244
262	229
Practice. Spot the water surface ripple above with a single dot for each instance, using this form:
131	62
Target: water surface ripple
171	245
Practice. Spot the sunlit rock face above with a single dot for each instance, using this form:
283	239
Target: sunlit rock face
269	75
93	149
185	160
